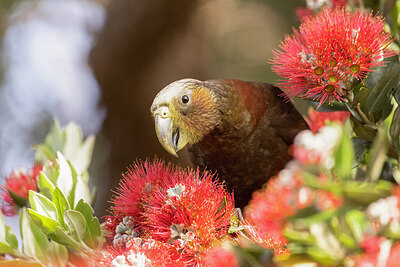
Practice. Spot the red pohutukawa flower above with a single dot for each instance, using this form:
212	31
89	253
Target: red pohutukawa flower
378	251
15	192
220	256
266	215
316	119
150	253
182	208
330	50
315	6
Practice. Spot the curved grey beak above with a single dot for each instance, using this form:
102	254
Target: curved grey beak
165	134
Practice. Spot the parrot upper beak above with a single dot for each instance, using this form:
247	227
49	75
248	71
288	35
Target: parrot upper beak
168	135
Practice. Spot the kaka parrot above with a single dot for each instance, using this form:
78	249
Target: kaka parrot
241	130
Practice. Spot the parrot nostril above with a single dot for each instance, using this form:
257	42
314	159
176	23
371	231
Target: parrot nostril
163	112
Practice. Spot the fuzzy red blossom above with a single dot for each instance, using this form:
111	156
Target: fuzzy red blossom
144	254
15	192
270	209
304	197
266	233
137	185
182	208
317	119
328	52
327	200
315	6
371	247
309	148
304	12
266	215
396	193
364	260
192	216
220	256
370	244
394	256
373	256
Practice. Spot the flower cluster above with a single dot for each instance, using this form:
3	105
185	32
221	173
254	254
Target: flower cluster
139	253
328	52
316	148
318	119
15	192
268	212
313	7
186	211
378	251
220	256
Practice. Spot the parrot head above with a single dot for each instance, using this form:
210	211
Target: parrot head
184	112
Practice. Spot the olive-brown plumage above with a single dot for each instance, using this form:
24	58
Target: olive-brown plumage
241	130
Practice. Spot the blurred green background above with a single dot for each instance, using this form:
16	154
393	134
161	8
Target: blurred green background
100	64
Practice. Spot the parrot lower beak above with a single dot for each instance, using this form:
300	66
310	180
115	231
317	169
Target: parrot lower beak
165	134
171	137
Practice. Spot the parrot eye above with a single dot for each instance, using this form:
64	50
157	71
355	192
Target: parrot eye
185	99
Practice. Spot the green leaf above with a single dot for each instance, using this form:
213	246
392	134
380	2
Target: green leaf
361	97
383	86
320	255
378	156
46	187
42	205
82	191
20	201
397	96
79	153
84	208
344	157
5	248
387	110
326	107
347	240
391	230
361	131
395	128
2	228
360	146
52	171
34	241
57	255
84	155
47	224
61	237
61	203
326	241
55	139
43	153
73	140
67	179
357	222
302	237
54	142
300	223
234	229
394	13
11	239
93	235
76	223
364	193
8	241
